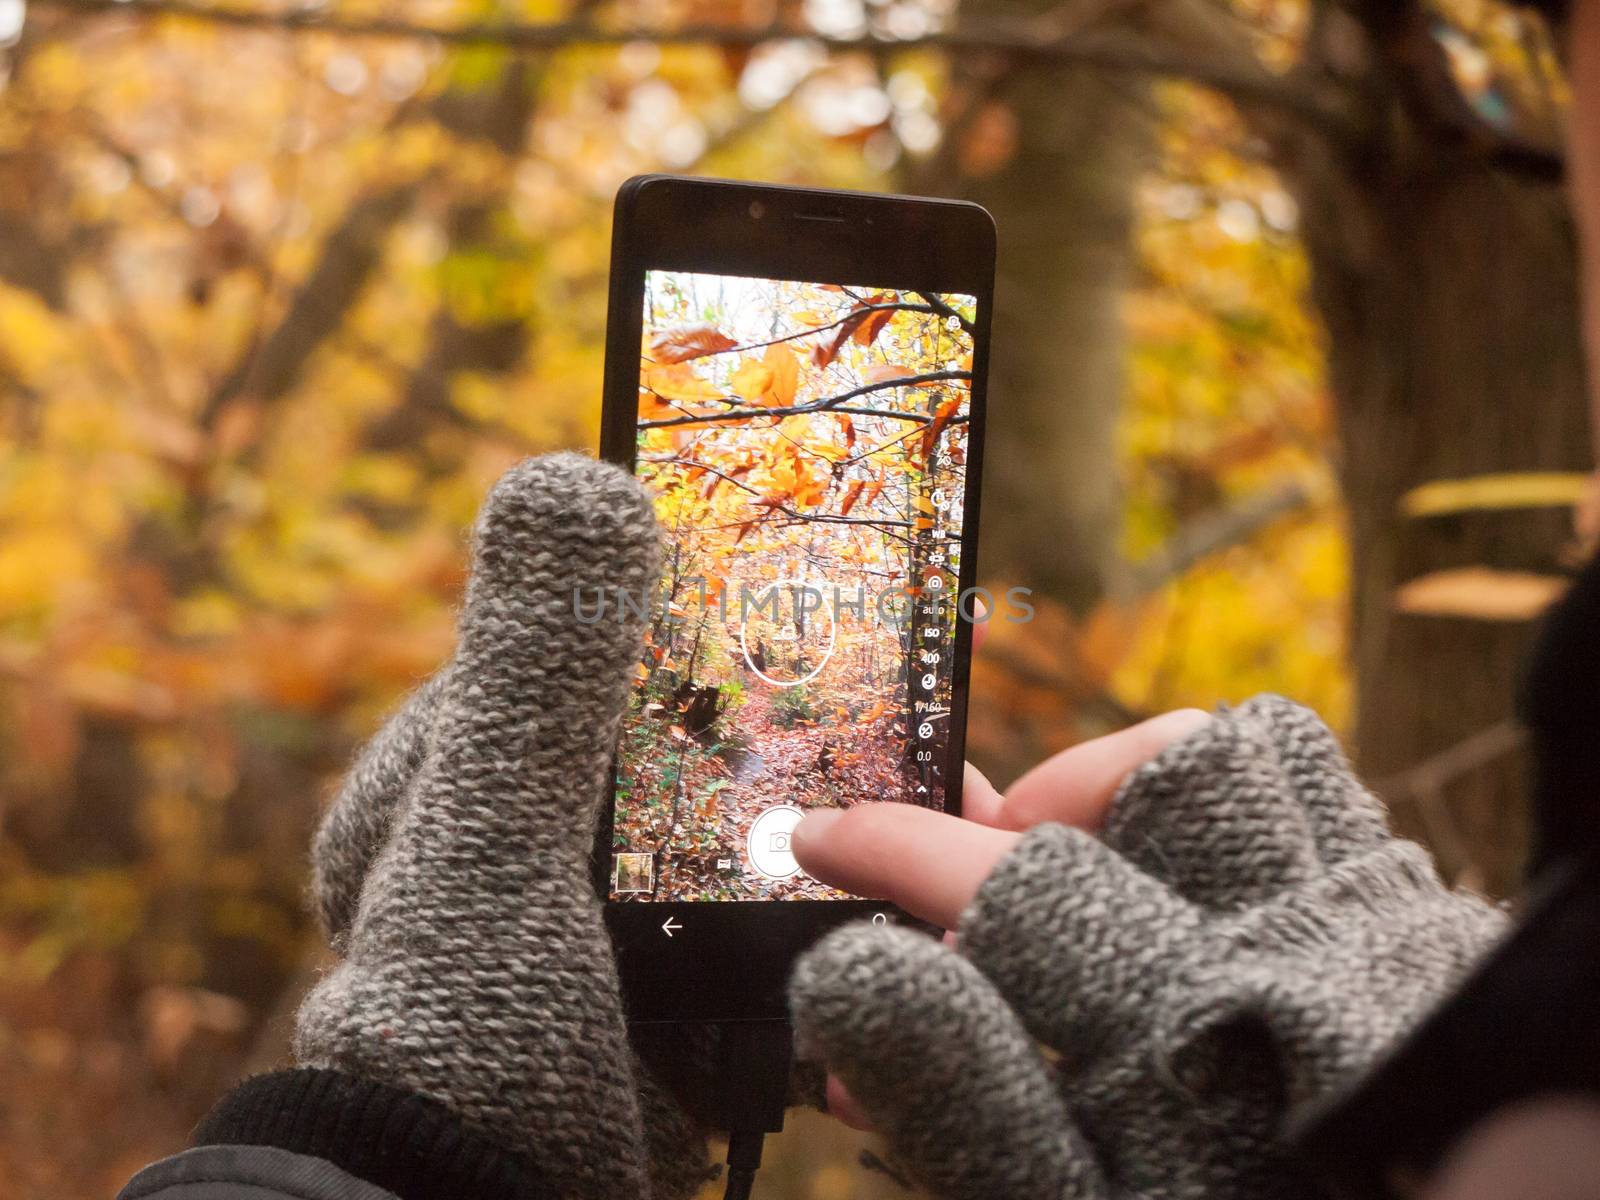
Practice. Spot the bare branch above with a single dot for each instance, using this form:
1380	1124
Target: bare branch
1215	531
855	314
1419	70
778	506
1020	42
936	304
349	255
832	404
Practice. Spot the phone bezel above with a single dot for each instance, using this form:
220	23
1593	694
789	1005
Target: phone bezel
730	960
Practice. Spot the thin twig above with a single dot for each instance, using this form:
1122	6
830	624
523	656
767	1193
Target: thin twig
834	404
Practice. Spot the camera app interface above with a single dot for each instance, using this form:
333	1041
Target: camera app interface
806	447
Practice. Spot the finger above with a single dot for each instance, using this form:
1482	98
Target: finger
929	863
979	800
844	1106
980	624
1075	937
481	903
1547	1149
940	1065
358	823
1076	786
1216	815
1346	819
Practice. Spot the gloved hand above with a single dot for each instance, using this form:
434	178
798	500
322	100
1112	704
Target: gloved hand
1244	934
453	872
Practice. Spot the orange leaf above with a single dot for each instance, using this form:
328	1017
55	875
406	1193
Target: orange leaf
785	369
941	418
689	341
1479	593
867	332
885	372
1106	637
851	496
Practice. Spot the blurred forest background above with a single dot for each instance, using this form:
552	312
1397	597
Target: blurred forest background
1287	395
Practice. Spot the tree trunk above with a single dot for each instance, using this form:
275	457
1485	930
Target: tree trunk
1450	299
1063	205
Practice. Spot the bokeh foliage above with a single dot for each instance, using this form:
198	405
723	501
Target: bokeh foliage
276	307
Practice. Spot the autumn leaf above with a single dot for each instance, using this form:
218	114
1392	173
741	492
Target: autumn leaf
785	368
872	325
941	418
689	341
1480	593
752	380
824	352
883	372
680	383
652	407
851	495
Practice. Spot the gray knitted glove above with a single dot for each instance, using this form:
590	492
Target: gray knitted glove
1245	934
453	870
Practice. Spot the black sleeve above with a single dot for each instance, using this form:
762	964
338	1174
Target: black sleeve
1560	705
323	1135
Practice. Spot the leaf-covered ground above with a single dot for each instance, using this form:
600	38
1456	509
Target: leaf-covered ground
699	795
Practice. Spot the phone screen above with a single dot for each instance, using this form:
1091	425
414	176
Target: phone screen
805	445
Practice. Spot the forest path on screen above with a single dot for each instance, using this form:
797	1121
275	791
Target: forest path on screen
709	788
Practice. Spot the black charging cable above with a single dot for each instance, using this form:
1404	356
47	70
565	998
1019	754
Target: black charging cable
753	1086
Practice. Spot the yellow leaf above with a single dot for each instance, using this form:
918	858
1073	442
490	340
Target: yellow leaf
680	383
752	379
1530	489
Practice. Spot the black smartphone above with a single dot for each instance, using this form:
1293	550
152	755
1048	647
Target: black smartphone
797	377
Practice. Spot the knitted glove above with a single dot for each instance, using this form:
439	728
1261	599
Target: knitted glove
452	872
1244	935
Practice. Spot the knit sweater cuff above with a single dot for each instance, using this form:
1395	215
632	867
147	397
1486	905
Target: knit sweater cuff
408	1144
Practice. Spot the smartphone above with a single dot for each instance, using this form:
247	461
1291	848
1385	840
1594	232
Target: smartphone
797	378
